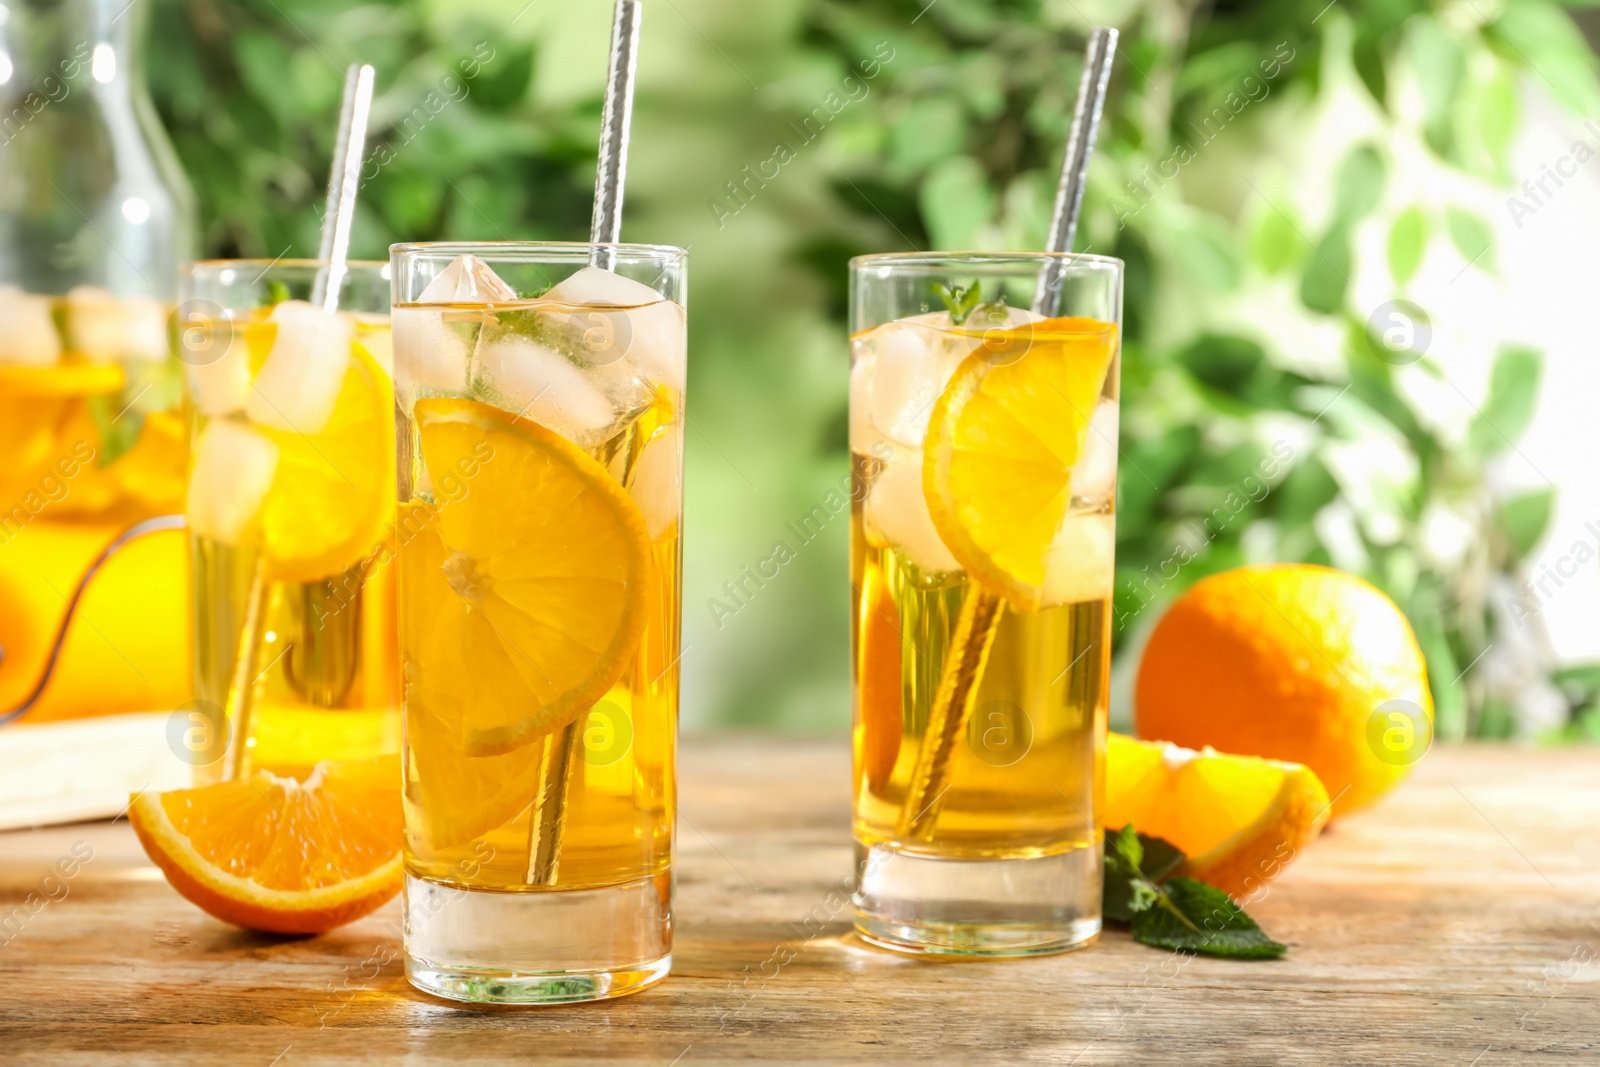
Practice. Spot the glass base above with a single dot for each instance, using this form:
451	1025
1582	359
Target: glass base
555	947
942	906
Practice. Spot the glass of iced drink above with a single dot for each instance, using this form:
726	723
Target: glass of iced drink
983	440
290	508
540	420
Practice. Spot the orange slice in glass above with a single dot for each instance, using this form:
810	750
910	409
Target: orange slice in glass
878	681
62	380
332	493
281	854
523	597
1002	442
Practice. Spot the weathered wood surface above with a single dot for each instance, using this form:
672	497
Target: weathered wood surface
1457	923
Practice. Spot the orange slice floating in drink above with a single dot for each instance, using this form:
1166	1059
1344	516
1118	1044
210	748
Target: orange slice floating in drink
1001	445
62	380
315	503
280	854
331	495
523	593
878	681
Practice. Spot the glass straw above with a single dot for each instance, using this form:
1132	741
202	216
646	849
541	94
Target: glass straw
333	250
558	763
981	610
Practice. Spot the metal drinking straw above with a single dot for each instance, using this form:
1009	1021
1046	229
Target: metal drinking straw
333	251
981	610
605	227
547	821
344	182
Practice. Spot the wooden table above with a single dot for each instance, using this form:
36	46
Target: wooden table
1457	923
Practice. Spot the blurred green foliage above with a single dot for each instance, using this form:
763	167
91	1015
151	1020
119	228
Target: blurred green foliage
250	91
1265	413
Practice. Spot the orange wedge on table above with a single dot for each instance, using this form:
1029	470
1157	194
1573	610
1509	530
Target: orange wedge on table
523	603
280	854
1002	441
1240	820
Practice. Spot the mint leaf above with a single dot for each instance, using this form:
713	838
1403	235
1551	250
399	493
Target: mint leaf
118	433
958	301
277	292
1161	857
1127	846
1191	916
1134	864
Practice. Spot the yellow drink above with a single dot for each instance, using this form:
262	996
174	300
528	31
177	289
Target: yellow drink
1022	782
538	543
290	512
983	465
619	799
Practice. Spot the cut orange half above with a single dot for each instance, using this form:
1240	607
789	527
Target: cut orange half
280	854
1002	442
523	597
1239	819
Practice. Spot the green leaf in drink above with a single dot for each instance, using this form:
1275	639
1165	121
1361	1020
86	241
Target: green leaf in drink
118	429
960	301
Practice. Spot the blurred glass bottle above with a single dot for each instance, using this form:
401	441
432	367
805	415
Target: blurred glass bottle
95	219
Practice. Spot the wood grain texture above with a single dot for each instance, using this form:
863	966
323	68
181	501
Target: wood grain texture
1456	923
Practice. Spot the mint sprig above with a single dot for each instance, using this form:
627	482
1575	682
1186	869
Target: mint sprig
959	301
1176	913
1135	864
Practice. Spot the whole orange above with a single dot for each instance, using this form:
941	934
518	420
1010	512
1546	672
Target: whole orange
1291	662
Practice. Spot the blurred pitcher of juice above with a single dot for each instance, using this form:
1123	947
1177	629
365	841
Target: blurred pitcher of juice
983	439
290	507
540	415
95	217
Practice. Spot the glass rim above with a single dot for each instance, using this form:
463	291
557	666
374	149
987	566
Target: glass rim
523	247
992	258
272	264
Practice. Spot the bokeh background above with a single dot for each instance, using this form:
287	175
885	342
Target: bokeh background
1359	236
